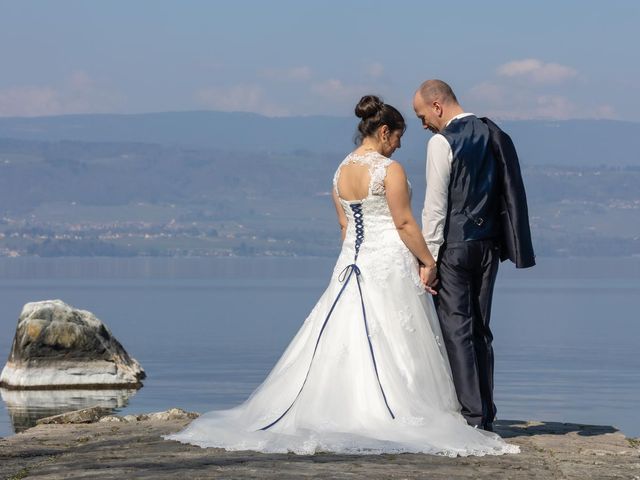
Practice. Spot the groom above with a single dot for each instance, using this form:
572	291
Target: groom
475	214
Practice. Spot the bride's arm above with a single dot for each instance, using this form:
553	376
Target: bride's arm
398	198
342	218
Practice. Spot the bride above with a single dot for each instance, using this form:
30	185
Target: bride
367	371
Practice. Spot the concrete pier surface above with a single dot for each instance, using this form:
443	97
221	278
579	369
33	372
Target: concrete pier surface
132	448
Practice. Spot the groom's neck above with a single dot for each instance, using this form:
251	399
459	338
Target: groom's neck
450	111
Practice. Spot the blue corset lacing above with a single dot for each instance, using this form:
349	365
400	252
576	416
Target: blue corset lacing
344	277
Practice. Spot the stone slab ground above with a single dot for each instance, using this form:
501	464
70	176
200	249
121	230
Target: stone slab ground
135	450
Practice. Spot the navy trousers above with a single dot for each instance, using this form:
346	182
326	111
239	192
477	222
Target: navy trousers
467	273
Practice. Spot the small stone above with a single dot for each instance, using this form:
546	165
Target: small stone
172	414
111	419
86	415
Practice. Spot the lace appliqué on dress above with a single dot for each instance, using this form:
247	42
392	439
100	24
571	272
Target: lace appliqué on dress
378	173
406	320
400	261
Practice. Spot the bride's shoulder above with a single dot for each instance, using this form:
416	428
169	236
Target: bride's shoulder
395	166
395	172
390	162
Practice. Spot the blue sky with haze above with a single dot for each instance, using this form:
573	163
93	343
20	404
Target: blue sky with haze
512	60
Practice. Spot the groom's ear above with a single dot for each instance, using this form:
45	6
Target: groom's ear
437	107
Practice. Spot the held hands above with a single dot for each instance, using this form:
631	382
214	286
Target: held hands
428	277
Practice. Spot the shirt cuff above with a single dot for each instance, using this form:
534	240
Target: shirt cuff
434	248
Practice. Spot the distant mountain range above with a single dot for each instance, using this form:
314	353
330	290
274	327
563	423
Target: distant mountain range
571	142
210	183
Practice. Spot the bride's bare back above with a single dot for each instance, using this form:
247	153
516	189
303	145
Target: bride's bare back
353	183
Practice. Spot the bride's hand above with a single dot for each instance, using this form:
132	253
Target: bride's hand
428	278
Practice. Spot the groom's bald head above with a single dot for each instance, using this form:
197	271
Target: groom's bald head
437	91
435	104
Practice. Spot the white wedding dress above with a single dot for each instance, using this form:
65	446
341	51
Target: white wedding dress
367	371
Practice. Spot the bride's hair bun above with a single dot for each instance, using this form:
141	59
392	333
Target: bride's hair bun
374	113
369	106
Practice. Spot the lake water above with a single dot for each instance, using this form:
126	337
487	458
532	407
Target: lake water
208	330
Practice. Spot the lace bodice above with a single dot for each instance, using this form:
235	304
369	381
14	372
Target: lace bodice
381	249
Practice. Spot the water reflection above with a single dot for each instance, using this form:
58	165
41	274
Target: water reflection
25	407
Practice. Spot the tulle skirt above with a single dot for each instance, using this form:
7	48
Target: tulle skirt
366	373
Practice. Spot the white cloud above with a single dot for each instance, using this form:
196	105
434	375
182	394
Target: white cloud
29	101
336	90
83	94
554	106
507	102
78	94
537	71
287	74
239	98
605	111
531	89
337	97
81	80
331	88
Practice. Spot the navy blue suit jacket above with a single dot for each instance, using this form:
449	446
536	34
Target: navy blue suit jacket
516	242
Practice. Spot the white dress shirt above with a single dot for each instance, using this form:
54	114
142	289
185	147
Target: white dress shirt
436	199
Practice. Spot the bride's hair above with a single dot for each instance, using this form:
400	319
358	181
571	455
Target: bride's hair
374	113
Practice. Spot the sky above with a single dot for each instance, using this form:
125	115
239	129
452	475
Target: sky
507	59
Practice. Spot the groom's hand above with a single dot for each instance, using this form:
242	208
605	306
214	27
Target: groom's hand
428	278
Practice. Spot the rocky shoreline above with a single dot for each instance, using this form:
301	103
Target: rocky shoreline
112	447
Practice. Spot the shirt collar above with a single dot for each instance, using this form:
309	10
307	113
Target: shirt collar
460	115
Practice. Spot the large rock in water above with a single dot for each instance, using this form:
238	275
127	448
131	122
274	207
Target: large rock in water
58	346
